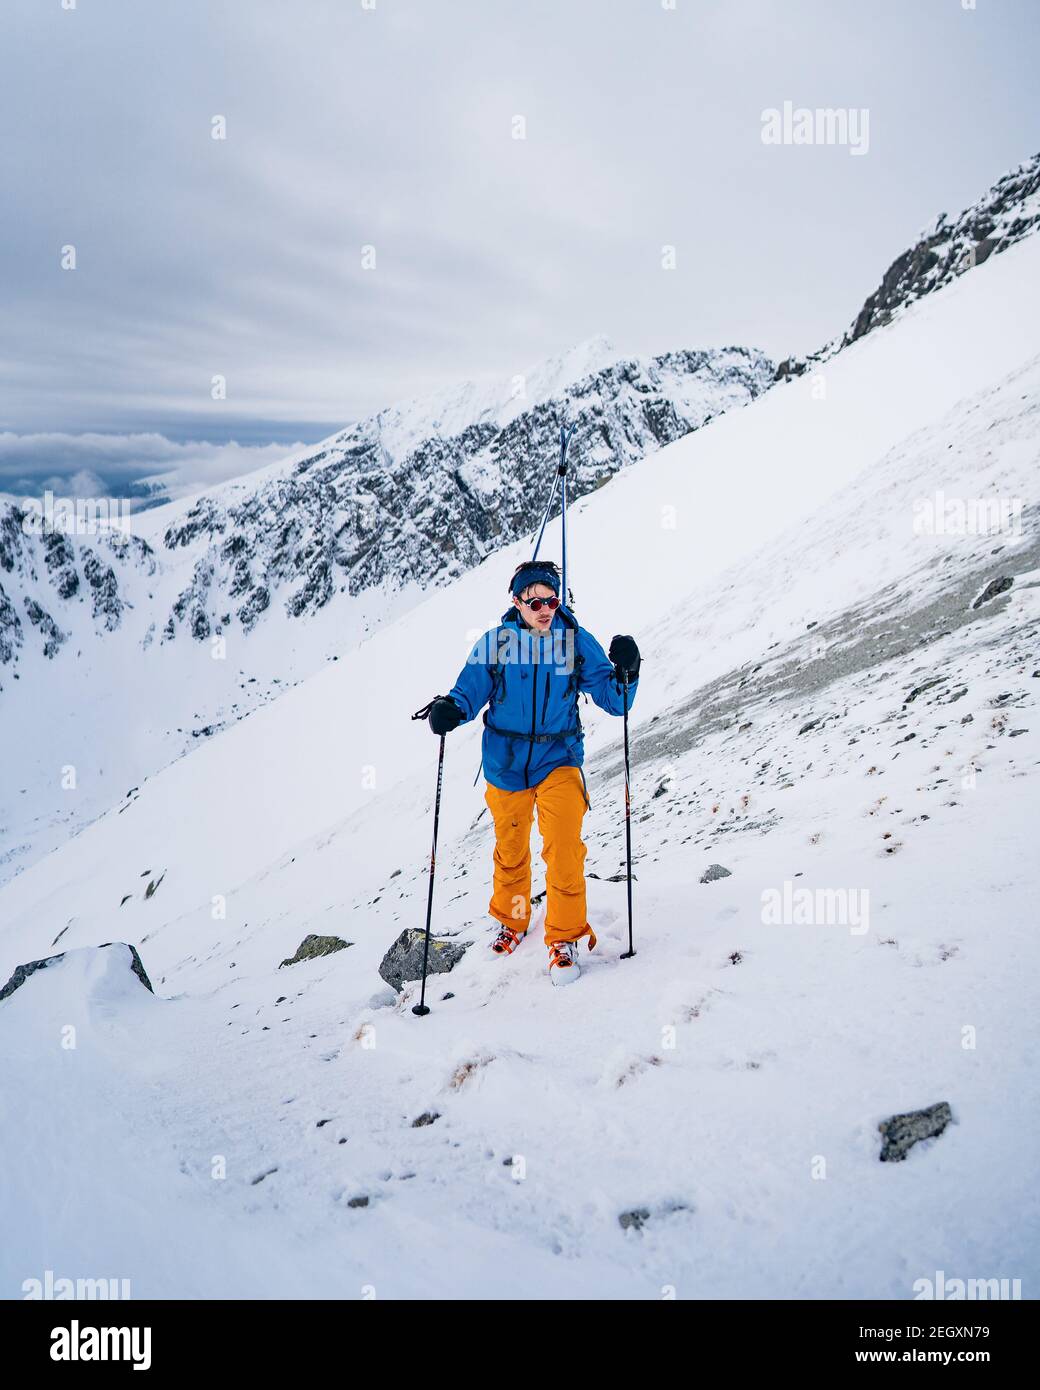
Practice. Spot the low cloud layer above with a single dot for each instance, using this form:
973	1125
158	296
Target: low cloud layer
129	466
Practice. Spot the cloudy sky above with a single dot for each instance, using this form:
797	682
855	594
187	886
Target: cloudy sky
392	124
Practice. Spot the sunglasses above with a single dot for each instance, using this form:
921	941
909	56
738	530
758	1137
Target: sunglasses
536	603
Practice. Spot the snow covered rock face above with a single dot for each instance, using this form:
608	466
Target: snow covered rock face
58	580
23	972
419	491
1005	214
10	629
428	489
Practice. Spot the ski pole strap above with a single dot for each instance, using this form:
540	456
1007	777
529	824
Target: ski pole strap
535	738
588	805
424	713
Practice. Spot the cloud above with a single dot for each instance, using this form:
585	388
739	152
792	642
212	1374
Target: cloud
131	466
393	126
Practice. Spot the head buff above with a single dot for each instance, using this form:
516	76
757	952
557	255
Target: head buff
534	575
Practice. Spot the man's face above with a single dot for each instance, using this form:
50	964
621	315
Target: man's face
542	620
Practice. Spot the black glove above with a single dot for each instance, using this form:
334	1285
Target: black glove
625	655
445	715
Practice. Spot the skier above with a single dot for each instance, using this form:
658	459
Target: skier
532	752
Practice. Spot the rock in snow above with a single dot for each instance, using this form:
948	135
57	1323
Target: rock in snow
312	946
22	972
902	1132
993	588
404	960
634	1219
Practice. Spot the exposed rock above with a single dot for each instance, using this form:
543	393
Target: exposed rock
426	1118
313	946
10	629
53	635
634	1219
105	590
153	885
1005	214
60	560
404	960
11	538
22	972
992	589
51	553
901	1132
714	871
925	685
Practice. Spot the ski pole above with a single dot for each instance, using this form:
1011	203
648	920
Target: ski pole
561	473
545	514
563	520
627	955
422	1007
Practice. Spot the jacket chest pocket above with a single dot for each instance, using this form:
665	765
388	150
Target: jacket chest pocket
547	683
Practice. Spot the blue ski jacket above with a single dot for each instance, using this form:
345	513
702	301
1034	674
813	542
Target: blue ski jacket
530	683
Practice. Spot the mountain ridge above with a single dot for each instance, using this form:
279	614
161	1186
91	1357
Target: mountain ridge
942	250
392	500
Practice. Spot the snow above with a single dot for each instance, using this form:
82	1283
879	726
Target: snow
451	411
140	706
705	1079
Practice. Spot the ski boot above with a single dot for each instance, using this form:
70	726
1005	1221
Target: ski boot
507	940
563	962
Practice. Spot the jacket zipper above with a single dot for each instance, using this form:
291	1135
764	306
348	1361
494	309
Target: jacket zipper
530	746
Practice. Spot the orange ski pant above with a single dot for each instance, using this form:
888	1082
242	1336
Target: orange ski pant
560	802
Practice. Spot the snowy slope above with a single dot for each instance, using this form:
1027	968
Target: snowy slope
216	602
727	500
211	605
703	1080
420	490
